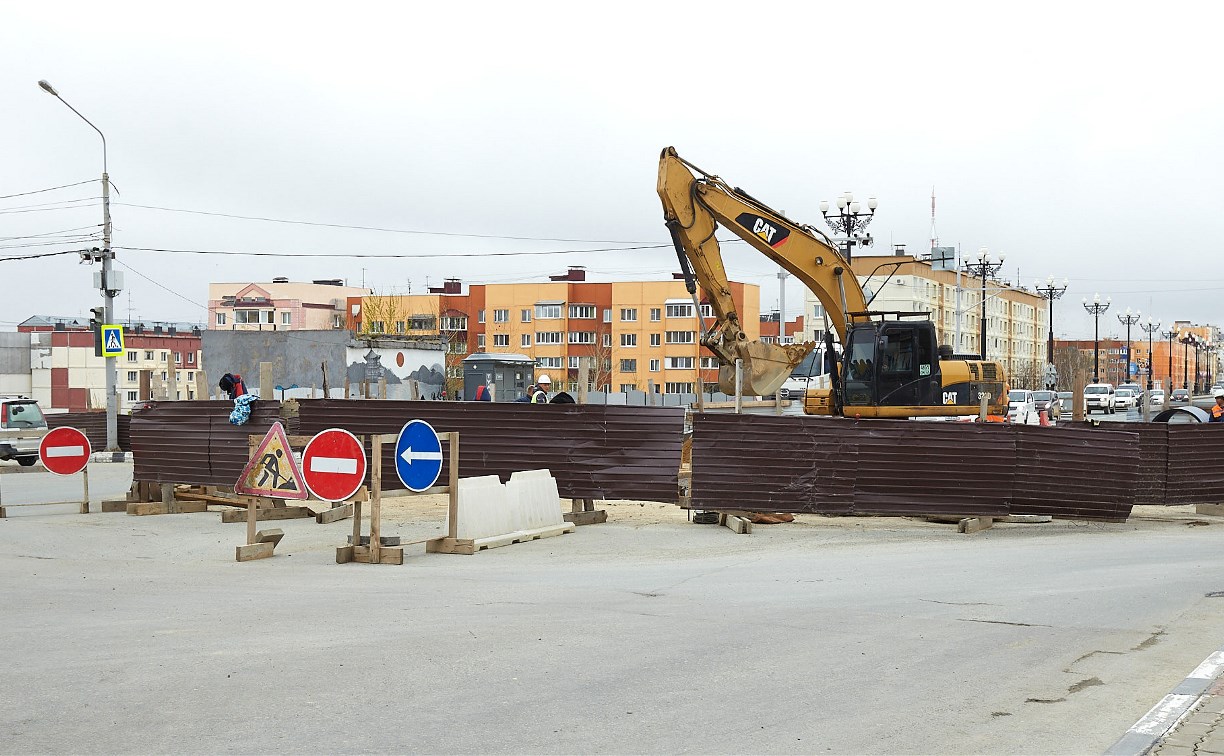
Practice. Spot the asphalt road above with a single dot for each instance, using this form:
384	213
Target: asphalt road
846	635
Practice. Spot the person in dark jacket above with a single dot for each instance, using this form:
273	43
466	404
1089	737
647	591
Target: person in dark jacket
483	394
526	398
543	385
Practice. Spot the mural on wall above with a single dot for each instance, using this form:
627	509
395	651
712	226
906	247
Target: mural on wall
410	373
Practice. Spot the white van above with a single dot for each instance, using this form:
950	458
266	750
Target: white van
1099	396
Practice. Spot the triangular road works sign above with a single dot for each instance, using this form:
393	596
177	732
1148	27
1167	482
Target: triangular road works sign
272	470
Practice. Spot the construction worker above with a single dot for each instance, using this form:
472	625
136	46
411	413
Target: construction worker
543	386
1217	411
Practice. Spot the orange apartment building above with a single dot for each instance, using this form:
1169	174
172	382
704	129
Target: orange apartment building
638	335
1172	362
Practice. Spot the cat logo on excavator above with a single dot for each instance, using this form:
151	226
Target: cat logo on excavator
771	233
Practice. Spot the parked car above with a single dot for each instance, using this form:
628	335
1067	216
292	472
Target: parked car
1180	395
1216	387
1135	388
21	417
1100	397
1125	398
1050	402
1156	398
1021	409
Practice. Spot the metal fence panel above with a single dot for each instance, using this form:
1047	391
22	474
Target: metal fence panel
1076	472
194	442
1196	465
93	425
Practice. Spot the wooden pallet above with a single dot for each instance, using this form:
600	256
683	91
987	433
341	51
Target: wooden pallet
448	545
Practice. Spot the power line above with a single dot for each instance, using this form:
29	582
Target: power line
370	228
42	254
160	285
49	233
57	202
393	256
46	209
71	240
40	191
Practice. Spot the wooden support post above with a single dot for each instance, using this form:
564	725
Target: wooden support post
584	376
85	494
266	389
452	512
347	391
376	497
202	388
326	388
171	377
739	386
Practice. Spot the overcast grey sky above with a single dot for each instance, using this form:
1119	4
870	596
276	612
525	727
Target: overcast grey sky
1080	139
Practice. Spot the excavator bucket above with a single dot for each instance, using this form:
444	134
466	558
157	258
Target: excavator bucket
765	367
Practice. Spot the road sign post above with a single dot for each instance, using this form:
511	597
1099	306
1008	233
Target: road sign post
66	451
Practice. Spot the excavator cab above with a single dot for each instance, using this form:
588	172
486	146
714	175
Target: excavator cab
890	363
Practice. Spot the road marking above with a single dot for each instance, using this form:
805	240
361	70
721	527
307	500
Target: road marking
345	465
65	451
408	455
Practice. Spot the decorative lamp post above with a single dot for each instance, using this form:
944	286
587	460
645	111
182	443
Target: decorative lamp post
1198	387
984	267
1128	319
849	221
1096	308
1051	292
1186	339
1170	335
1151	326
110	283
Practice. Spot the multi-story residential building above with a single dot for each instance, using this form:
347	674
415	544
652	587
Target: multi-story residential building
65	374
281	305
1016	324
769	329
637	335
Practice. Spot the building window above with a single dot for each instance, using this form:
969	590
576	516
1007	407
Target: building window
132	396
401	327
548	337
607	339
376	326
679	363
163	375
190	376
655	314
480	341
501	339
582	312
480	316
149	354
680	337
501	316
679	311
655	339
248	316
627	387
628	339
133	376
525	316
425	322
220	318
678	388
628	366
574	363
286	318
525	340
131	356
582	337
454	371
457	347
178	358
549	362
607	315
707	311
547	311
191	358
454	323
337	321
709	362
654	366
628	314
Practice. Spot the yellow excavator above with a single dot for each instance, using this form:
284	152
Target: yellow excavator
890	365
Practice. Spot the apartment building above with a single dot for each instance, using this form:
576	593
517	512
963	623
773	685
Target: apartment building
637	335
281	305
1016	318
65	374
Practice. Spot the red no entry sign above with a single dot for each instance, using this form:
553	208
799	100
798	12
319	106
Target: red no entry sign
334	465
64	451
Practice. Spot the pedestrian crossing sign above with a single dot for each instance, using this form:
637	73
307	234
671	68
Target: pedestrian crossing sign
272	470
112	340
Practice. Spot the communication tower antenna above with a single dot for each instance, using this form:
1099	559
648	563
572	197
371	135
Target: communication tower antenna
934	235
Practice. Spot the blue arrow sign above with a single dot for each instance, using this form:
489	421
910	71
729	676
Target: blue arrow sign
418	455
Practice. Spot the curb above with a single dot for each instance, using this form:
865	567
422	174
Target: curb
1169	712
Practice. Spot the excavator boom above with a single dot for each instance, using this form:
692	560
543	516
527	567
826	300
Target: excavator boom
693	208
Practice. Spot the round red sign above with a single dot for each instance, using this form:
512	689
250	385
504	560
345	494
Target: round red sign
334	465
64	451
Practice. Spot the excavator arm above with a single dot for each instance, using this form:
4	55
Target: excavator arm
693	208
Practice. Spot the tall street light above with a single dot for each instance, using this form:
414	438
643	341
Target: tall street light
1170	335
1051	292
849	221
1198	345
1211	350
109	287
1128	319
984	267
1096	309
1151	327
1186	339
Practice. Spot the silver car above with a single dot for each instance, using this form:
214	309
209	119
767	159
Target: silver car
22	427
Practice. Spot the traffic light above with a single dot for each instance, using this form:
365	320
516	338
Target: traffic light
96	320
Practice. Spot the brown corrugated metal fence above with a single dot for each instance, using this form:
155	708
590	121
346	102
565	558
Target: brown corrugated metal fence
93	425
194	442
1196	465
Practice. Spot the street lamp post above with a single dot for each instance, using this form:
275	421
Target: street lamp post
1186	339
1151	326
1170	335
1198	345
1128	319
109	286
849	221
1211	350
983	268
1051	292
1096	308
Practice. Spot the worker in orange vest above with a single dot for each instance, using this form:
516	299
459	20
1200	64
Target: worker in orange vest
1217	412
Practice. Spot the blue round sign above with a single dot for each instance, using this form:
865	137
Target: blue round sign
418	455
